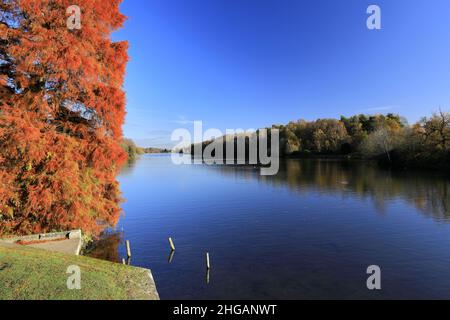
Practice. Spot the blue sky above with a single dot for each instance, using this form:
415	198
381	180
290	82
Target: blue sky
254	63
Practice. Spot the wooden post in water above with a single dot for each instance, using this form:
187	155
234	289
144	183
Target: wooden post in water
172	246
128	249
172	253
208	265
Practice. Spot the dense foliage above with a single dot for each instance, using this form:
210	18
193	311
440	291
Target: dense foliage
388	138
133	151
61	111
332	136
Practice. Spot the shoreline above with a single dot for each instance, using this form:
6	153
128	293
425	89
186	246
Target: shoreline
35	270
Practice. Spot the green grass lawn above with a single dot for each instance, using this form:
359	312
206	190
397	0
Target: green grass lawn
34	274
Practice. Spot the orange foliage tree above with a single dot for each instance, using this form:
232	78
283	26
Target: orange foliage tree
62	107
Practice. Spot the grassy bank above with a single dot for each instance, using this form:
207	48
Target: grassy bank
34	274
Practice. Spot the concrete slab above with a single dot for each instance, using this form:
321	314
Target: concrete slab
69	246
68	242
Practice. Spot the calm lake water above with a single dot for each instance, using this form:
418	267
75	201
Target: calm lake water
309	232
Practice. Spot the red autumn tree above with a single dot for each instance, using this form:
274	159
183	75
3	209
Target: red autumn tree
61	111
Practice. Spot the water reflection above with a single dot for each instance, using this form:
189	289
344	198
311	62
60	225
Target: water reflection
172	253
309	232
107	247
427	191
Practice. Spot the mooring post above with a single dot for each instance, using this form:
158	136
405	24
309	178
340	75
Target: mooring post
128	249
208	265
172	246
172	253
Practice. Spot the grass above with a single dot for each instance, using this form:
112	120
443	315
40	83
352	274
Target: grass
33	274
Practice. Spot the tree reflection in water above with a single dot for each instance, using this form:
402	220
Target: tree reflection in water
107	247
427	191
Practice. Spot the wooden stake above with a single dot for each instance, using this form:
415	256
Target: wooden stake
128	249
172	253
172	246
208	265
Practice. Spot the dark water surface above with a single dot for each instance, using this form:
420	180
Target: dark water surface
309	232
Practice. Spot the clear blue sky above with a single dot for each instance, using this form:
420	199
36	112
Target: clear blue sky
254	63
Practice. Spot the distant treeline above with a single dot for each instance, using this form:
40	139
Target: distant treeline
134	151
386	138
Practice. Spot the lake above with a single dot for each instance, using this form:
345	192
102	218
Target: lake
309	232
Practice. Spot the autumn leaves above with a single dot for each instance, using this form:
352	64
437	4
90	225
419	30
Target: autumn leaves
65	100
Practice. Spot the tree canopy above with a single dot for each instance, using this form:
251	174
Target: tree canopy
388	138
62	107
